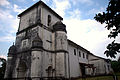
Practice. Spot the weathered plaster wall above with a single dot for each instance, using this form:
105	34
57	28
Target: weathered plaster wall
44	17
36	64
100	64
46	37
61	40
27	19
75	60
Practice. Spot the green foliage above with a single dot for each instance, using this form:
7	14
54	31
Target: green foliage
112	18
2	68
112	49
115	66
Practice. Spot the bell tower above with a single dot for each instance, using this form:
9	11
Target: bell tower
40	48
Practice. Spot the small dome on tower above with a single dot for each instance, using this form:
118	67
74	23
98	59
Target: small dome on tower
59	26
37	42
12	49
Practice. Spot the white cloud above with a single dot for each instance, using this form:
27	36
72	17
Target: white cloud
10	25
21	0
17	9
5	15
9	19
7	38
89	34
60	6
45	1
95	11
75	14
86	2
4	3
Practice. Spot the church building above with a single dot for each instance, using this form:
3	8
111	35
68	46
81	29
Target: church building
42	50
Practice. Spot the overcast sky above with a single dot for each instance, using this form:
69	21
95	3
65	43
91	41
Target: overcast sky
78	15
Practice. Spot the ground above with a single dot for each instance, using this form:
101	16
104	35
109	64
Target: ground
101	78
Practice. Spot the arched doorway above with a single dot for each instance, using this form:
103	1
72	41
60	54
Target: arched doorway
21	70
49	71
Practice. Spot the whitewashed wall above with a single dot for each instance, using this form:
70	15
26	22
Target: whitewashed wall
44	17
75	60
24	19
100	64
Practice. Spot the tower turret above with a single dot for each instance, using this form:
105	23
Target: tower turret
59	26
37	42
37	57
60	36
11	61
61	49
12	50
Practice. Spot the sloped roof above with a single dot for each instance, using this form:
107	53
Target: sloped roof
40	3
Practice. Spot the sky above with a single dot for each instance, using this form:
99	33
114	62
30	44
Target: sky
78	16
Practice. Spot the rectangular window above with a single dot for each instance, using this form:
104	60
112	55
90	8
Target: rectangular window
24	43
79	54
86	56
83	55
108	67
49	20
74	51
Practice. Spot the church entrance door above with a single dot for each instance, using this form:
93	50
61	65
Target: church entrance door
82	66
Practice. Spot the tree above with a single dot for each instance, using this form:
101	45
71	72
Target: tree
2	68
112	18
115	66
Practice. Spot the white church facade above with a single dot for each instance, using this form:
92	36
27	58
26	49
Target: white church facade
42	49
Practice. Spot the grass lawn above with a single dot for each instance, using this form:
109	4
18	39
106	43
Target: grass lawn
99	78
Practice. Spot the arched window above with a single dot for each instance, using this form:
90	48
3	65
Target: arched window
49	20
49	71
